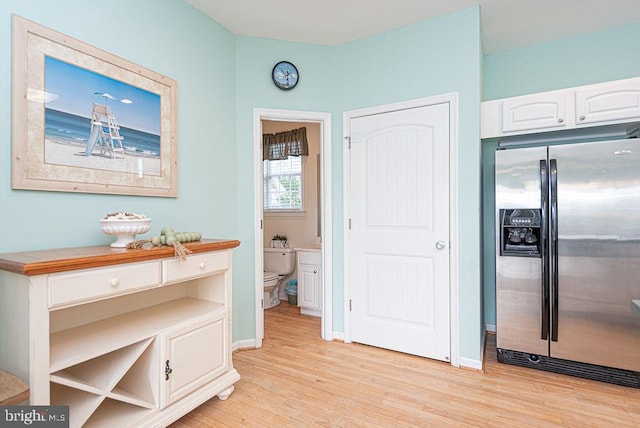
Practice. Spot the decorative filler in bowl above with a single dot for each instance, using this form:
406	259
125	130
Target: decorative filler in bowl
125	227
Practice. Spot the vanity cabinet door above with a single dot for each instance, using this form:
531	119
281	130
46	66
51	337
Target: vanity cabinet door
193	356
309	281
309	293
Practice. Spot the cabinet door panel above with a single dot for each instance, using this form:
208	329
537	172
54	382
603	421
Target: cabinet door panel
613	101
531	112
194	356
309	293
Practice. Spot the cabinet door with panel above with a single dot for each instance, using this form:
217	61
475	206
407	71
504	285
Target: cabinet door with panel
309	282
193	356
608	102
309	293
534	112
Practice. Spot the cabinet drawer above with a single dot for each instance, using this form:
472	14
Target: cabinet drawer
96	284
310	257
195	266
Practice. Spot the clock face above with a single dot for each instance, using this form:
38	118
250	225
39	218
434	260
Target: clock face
285	75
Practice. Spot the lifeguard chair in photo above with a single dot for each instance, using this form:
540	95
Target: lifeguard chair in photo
105	133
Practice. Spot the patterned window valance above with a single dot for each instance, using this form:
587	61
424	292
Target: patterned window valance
284	144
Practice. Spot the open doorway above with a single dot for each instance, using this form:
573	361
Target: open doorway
312	231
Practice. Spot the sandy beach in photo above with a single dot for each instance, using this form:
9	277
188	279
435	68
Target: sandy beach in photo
71	153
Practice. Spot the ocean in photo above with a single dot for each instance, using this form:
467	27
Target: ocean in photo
77	129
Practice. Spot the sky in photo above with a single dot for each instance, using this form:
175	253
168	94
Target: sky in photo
75	89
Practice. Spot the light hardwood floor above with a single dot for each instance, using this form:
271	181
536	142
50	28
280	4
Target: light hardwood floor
298	380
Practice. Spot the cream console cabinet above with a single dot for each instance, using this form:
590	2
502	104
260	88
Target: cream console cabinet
580	107
124	337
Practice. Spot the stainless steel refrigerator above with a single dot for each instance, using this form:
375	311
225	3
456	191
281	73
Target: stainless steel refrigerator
568	259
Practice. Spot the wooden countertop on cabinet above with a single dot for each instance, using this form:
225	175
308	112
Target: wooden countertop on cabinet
41	262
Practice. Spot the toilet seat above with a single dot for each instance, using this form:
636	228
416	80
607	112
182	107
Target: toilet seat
268	276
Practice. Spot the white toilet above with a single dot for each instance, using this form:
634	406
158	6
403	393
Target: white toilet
278	263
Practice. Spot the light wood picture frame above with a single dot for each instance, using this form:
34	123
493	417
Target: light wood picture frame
85	120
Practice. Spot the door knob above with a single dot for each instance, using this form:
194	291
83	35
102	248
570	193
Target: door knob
440	245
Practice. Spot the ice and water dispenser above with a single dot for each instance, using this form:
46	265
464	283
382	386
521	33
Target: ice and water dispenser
520	230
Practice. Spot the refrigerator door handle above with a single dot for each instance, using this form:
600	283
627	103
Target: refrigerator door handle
553	248
544	205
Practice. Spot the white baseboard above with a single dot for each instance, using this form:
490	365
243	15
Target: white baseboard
243	344
476	364
337	335
490	328
470	364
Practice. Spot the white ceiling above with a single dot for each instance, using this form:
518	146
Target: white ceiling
506	24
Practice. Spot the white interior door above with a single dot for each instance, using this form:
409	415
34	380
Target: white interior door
399	238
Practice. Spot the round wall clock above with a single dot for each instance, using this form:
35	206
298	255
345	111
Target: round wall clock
285	75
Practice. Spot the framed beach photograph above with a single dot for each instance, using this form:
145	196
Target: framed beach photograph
85	120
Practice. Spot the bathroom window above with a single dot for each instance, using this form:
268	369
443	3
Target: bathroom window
283	185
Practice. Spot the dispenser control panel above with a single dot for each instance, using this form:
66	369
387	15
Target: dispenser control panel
520	232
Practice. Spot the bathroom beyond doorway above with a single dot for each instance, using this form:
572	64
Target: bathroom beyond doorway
323	203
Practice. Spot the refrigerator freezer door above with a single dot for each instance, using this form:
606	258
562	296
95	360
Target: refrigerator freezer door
598	252
519	311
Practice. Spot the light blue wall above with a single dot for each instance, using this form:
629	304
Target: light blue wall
175	40
169	37
222	78
488	231
430	58
591	58
582	60
254	89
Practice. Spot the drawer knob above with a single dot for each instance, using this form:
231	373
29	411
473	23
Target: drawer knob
115	282
203	265
560	120
582	118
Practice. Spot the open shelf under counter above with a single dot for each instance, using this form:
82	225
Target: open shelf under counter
120	374
79	344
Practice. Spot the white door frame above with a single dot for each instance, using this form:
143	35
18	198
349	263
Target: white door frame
452	99
324	119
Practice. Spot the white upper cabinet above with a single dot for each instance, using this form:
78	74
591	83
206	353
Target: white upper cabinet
607	102
538	111
584	106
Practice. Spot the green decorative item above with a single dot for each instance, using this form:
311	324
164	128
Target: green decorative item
279	241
